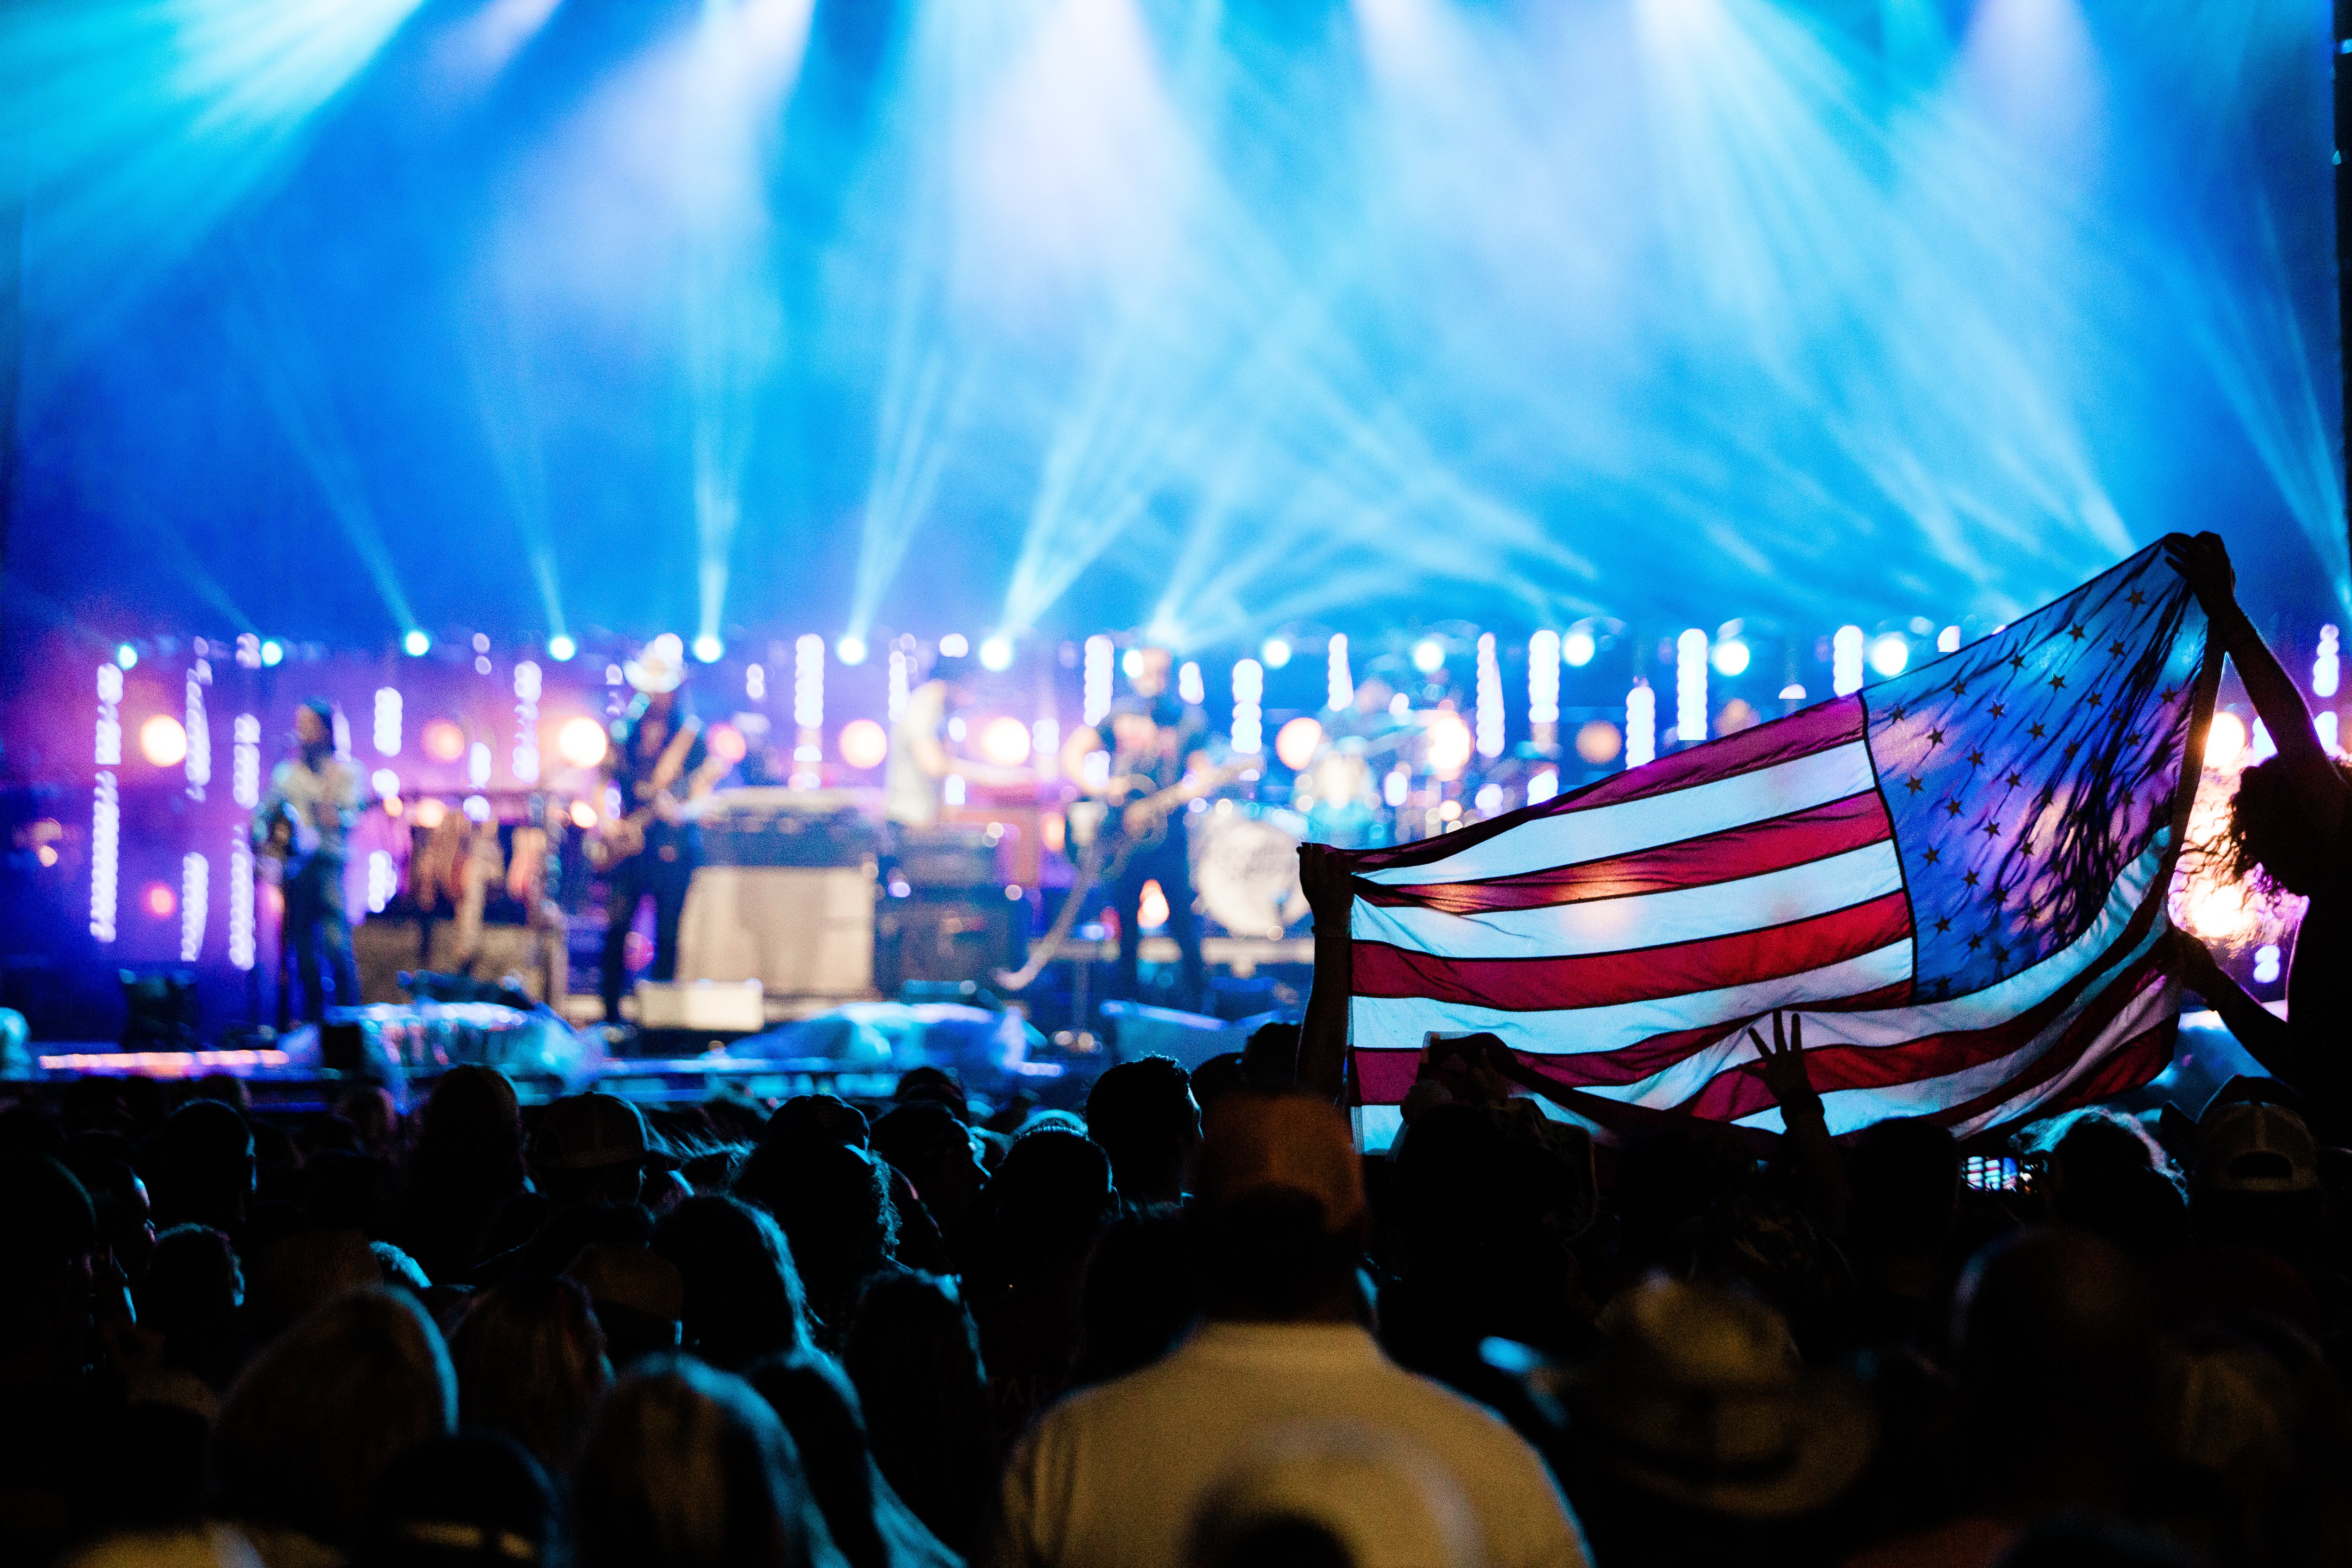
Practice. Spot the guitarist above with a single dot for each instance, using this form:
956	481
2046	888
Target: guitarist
301	829
1155	742
659	766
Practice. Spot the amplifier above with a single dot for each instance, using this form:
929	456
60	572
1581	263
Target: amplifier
951	855
786	828
948	937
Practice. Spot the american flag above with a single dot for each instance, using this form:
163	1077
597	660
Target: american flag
1958	875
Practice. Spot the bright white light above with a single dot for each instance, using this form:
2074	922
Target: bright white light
477	763
2260	748
582	742
2225	738
382	880
953	646
1296	742
1490	698
1004	741
108	749
526	678
240	899
199	767
708	648
1340	681
1276	653
196	897
2266	965
105	855
163	741
1098	688
755	682
1543	678
864	744
1890	655
245	760
850	649
1690	686
1731	658
477	809
1948	640
1578	648
996	652
1249	686
481	642
125	657
1396	786
386	782
417	644
560	649
898	682
1792	692
1130	663
1046	735
1490	799
2326	725
387	722
951	790
1190	687
2327	667
1846	660
1447	749
1429	656
1543	785
272	652
1640	724
808	681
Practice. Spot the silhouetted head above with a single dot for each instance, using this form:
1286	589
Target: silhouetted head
2271	835
529	1356
743	1295
461	1501
1905	1175
1279	1214
1143	1115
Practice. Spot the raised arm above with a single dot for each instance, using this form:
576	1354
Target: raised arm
2204	562
1323	1037
2264	1033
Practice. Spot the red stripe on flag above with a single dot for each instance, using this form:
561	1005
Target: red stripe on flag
1751	850
1821	728
1636	975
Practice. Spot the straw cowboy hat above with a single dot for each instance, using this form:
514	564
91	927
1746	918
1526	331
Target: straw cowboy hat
661	667
1697	1395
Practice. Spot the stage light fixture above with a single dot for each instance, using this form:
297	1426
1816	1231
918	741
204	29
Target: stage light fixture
163	741
1890	655
126	655
727	743
477	809
1543	785
431	813
954	646
2225	740
560	649
1846	660
1731	658
1296	742
159	901
583	815
1641	725
1597	742
1792	692
386	782
1429	656
272	652
863	743
582	741
1004	741
1338	678
850	649
708	648
996	653
1948	640
2326	667
1449	746
1578	647
1192	687
1276	653
417	644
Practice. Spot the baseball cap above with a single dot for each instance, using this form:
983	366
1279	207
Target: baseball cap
1254	1142
2254	1146
595	1132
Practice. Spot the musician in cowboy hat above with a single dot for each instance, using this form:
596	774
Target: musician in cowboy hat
659	766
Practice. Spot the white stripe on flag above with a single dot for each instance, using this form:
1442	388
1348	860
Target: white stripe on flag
1644	919
1570	838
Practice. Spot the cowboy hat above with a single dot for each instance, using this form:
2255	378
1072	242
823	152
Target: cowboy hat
661	667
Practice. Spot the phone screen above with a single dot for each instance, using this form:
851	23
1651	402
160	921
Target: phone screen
1995	1174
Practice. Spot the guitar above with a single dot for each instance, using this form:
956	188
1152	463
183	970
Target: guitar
1142	819
620	838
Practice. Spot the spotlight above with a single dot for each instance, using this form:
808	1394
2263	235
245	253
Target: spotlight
1450	744
1276	653
708	648
416	643
2225	740
1597	742
1890	655
583	815
863	743
996	652
272	650
1429	656
953	646
581	742
560	647
386	782
1578	648
850	649
1792	693
1731	657
430	814
1004	741
1296	742
160	901
481	642
443	741
1846	660
727	743
126	655
163	741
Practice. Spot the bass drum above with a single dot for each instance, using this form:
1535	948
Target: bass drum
1246	868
